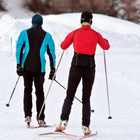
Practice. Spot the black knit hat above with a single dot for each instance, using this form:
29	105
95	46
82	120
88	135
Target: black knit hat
86	17
37	19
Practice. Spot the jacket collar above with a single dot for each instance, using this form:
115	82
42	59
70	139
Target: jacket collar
86	27
85	24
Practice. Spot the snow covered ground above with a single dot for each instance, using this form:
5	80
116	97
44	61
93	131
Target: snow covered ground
123	67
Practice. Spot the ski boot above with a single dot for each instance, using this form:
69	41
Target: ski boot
86	130
62	126
41	123
28	120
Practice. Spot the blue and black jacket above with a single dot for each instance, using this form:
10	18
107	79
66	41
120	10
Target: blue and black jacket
31	47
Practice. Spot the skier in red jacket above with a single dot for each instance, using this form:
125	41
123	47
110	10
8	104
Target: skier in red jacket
84	42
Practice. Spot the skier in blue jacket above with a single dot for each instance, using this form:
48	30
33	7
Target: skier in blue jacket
30	54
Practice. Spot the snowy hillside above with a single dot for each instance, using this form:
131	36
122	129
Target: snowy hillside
123	68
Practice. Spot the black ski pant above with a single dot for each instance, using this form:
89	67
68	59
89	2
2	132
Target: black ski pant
38	79
76	74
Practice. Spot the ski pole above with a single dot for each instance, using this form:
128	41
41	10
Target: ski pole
8	104
50	85
107	85
74	96
66	89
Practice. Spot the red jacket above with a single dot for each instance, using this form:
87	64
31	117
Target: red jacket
85	41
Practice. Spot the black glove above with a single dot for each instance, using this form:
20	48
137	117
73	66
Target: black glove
52	74
19	70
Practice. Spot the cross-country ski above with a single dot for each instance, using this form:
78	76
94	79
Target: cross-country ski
58	133
90	135
44	126
68	134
